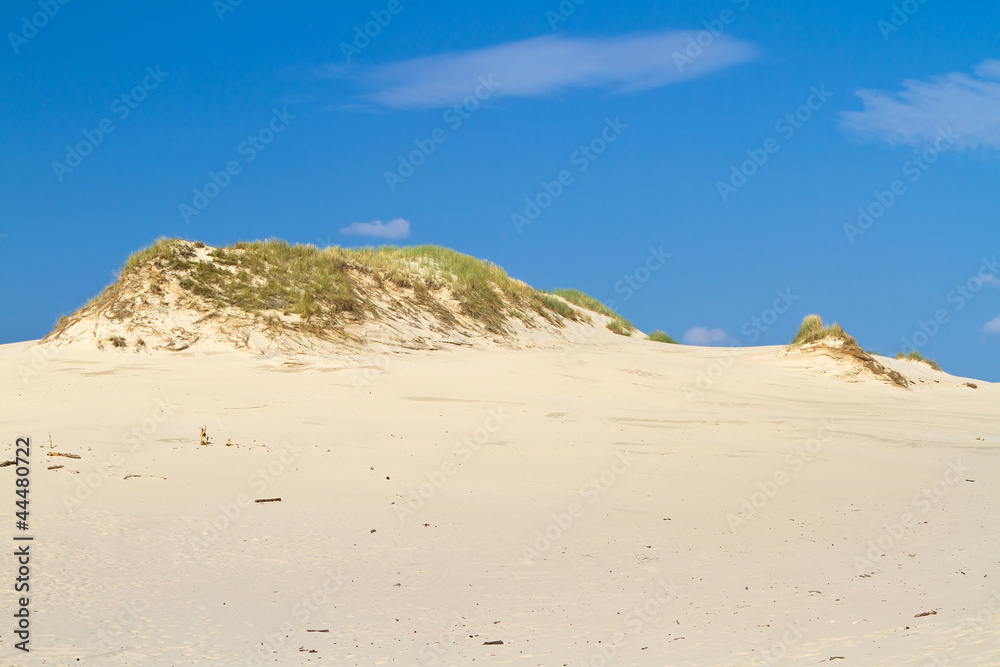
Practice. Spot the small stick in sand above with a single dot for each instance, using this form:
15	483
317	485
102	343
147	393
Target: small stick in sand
204	436
268	500
69	456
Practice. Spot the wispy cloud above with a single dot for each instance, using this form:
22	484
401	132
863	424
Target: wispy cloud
546	65
993	326
969	104
704	336
393	230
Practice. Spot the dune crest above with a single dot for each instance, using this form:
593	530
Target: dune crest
271	297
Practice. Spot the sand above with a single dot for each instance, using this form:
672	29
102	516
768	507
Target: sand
611	501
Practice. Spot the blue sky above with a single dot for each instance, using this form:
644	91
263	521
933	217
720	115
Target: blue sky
716	169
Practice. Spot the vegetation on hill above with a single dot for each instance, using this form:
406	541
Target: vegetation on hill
916	356
618	324
661	337
812	330
329	285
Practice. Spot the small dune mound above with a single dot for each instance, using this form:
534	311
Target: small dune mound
272	296
831	340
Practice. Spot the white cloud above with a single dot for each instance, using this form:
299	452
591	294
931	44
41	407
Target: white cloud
704	336
545	65
969	104
394	229
993	326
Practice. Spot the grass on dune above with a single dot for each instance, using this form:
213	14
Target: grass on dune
812	329
916	356
661	337
618	324
322	284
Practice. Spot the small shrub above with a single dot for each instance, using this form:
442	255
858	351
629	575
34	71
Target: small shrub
621	326
812	329
661	337
117	341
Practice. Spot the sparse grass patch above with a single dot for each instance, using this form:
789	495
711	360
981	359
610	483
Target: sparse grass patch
118	341
812	329
916	356
621	326
577	297
661	337
618	324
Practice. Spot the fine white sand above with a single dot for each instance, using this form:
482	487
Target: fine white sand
571	501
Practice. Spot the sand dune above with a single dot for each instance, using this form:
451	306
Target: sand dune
604	501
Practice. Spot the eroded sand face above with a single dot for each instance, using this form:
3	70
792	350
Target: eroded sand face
662	505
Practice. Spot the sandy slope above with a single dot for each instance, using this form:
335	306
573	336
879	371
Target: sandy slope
632	458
